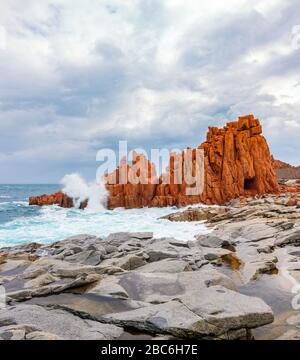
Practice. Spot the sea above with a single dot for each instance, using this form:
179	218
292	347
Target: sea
22	224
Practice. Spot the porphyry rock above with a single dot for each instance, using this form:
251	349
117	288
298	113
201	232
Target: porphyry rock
237	162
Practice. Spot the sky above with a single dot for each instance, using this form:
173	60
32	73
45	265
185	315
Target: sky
78	76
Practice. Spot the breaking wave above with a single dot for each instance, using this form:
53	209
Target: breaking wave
79	190
21	223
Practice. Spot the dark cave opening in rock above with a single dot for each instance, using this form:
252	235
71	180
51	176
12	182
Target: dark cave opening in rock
249	184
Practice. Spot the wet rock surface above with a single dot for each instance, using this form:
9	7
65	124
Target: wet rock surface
263	235
104	288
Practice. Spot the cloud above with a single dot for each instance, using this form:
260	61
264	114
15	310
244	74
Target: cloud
77	76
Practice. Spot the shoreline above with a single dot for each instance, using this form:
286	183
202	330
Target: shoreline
213	287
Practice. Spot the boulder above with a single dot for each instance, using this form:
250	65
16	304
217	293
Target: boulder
212	241
165	266
58	198
109	287
126	262
117	239
158	287
48	276
214	312
196	214
292	201
291	239
55	323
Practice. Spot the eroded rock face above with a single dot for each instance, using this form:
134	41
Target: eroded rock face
237	162
58	198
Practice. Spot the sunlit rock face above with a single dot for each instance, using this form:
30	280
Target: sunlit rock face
237	162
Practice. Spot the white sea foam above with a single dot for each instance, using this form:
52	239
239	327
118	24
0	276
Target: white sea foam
25	224
79	190
54	223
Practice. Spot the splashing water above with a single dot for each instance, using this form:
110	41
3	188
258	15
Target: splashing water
21	223
52	223
79	190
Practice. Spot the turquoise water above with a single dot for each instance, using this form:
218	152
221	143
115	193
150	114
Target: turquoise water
21	223
14	200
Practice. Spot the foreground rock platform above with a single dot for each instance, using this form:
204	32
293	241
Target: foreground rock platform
87	287
264	236
134	284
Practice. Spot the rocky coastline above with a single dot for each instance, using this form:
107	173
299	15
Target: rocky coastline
236	163
239	281
133	285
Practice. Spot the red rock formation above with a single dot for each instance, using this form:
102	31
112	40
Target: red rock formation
134	193
278	164
285	171
290	188
237	162
55	199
